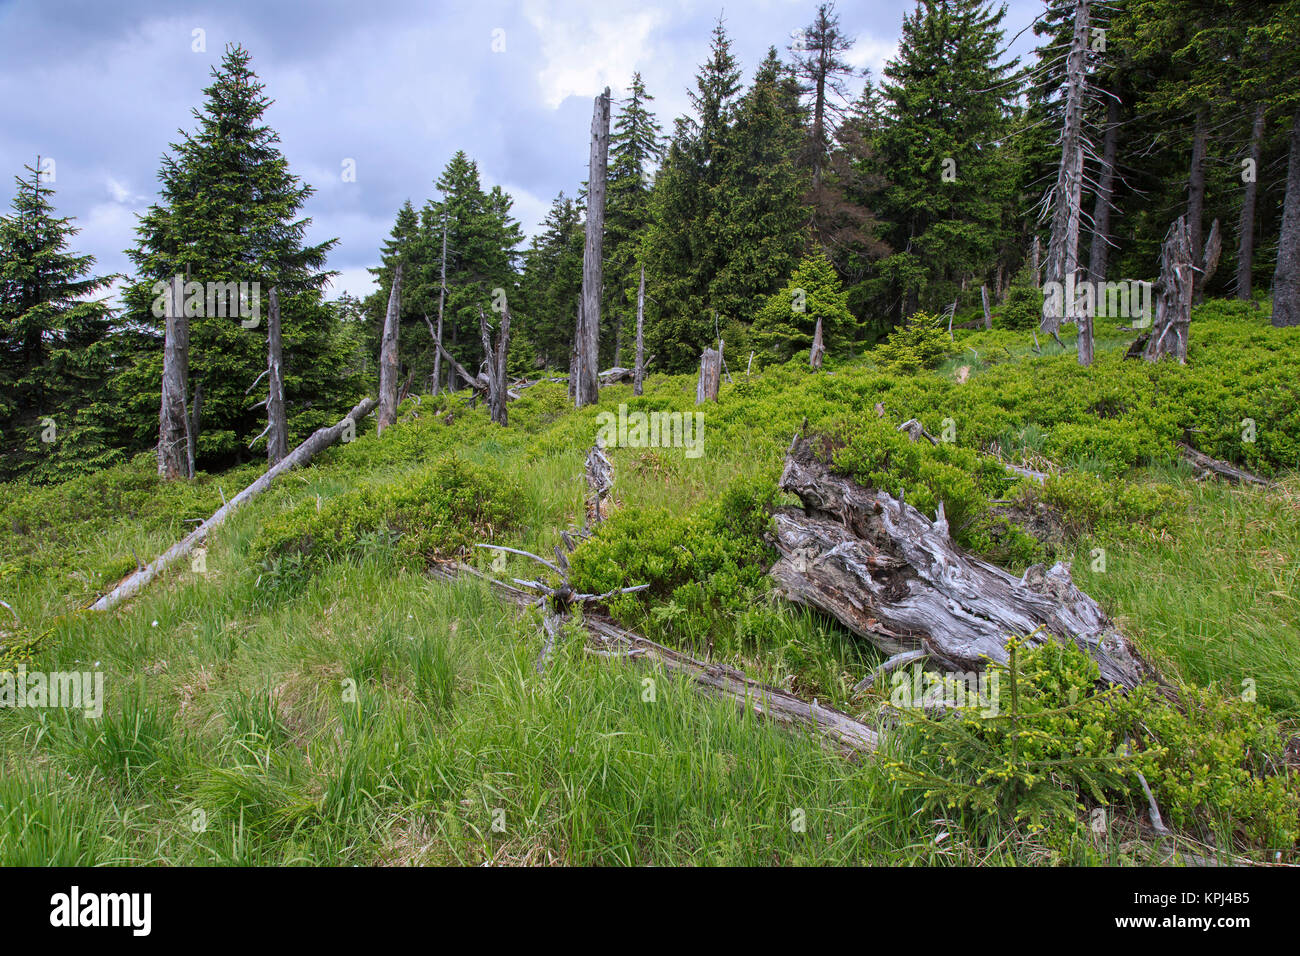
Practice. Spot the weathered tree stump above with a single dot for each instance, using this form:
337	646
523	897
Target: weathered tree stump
706	390
894	577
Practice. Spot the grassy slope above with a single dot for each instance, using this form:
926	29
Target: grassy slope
227	706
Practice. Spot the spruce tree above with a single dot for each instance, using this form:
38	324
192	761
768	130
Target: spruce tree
228	212
55	348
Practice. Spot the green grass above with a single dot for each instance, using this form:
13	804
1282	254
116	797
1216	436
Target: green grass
368	714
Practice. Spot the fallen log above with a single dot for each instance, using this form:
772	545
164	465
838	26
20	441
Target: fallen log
847	735
1206	465
319	440
895	578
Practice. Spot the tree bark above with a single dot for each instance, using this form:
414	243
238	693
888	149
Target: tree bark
639	379
1168	335
1099	250
320	439
988	316
173	439
1196	185
497	387
1063	249
442	297
895	578
388	364
592	269
277	436
1246	225
706	389
818	351
1286	276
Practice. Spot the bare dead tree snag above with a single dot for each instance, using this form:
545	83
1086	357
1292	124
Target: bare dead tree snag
1066	196
984	299
1210	258
1168	335
277	424
1196	186
818	351
173	437
599	474
638	381
895	578
706	389
388	364
319	440
495	362
589	320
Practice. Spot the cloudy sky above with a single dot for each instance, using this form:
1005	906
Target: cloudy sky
397	86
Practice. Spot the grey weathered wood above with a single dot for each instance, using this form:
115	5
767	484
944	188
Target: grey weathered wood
638	380
988	315
818	351
706	389
894	577
1196	187
497	386
844	733
1173	313
599	474
1063	248
173	440
319	440
1210	257
587	387
1206	465
277	436
388	363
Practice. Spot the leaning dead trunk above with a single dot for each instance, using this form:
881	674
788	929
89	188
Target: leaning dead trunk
277	425
589	321
706	389
894	577
173	439
1286	275
320	439
388	366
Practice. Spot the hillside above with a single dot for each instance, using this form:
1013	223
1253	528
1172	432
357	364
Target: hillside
307	692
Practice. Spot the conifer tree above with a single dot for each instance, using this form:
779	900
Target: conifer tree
55	348
228	213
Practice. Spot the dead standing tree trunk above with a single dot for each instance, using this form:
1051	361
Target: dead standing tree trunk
818	351
587	387
497	385
706	389
388	366
895	578
173	430
638	379
1103	205
1063	249
277	425
1168	335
